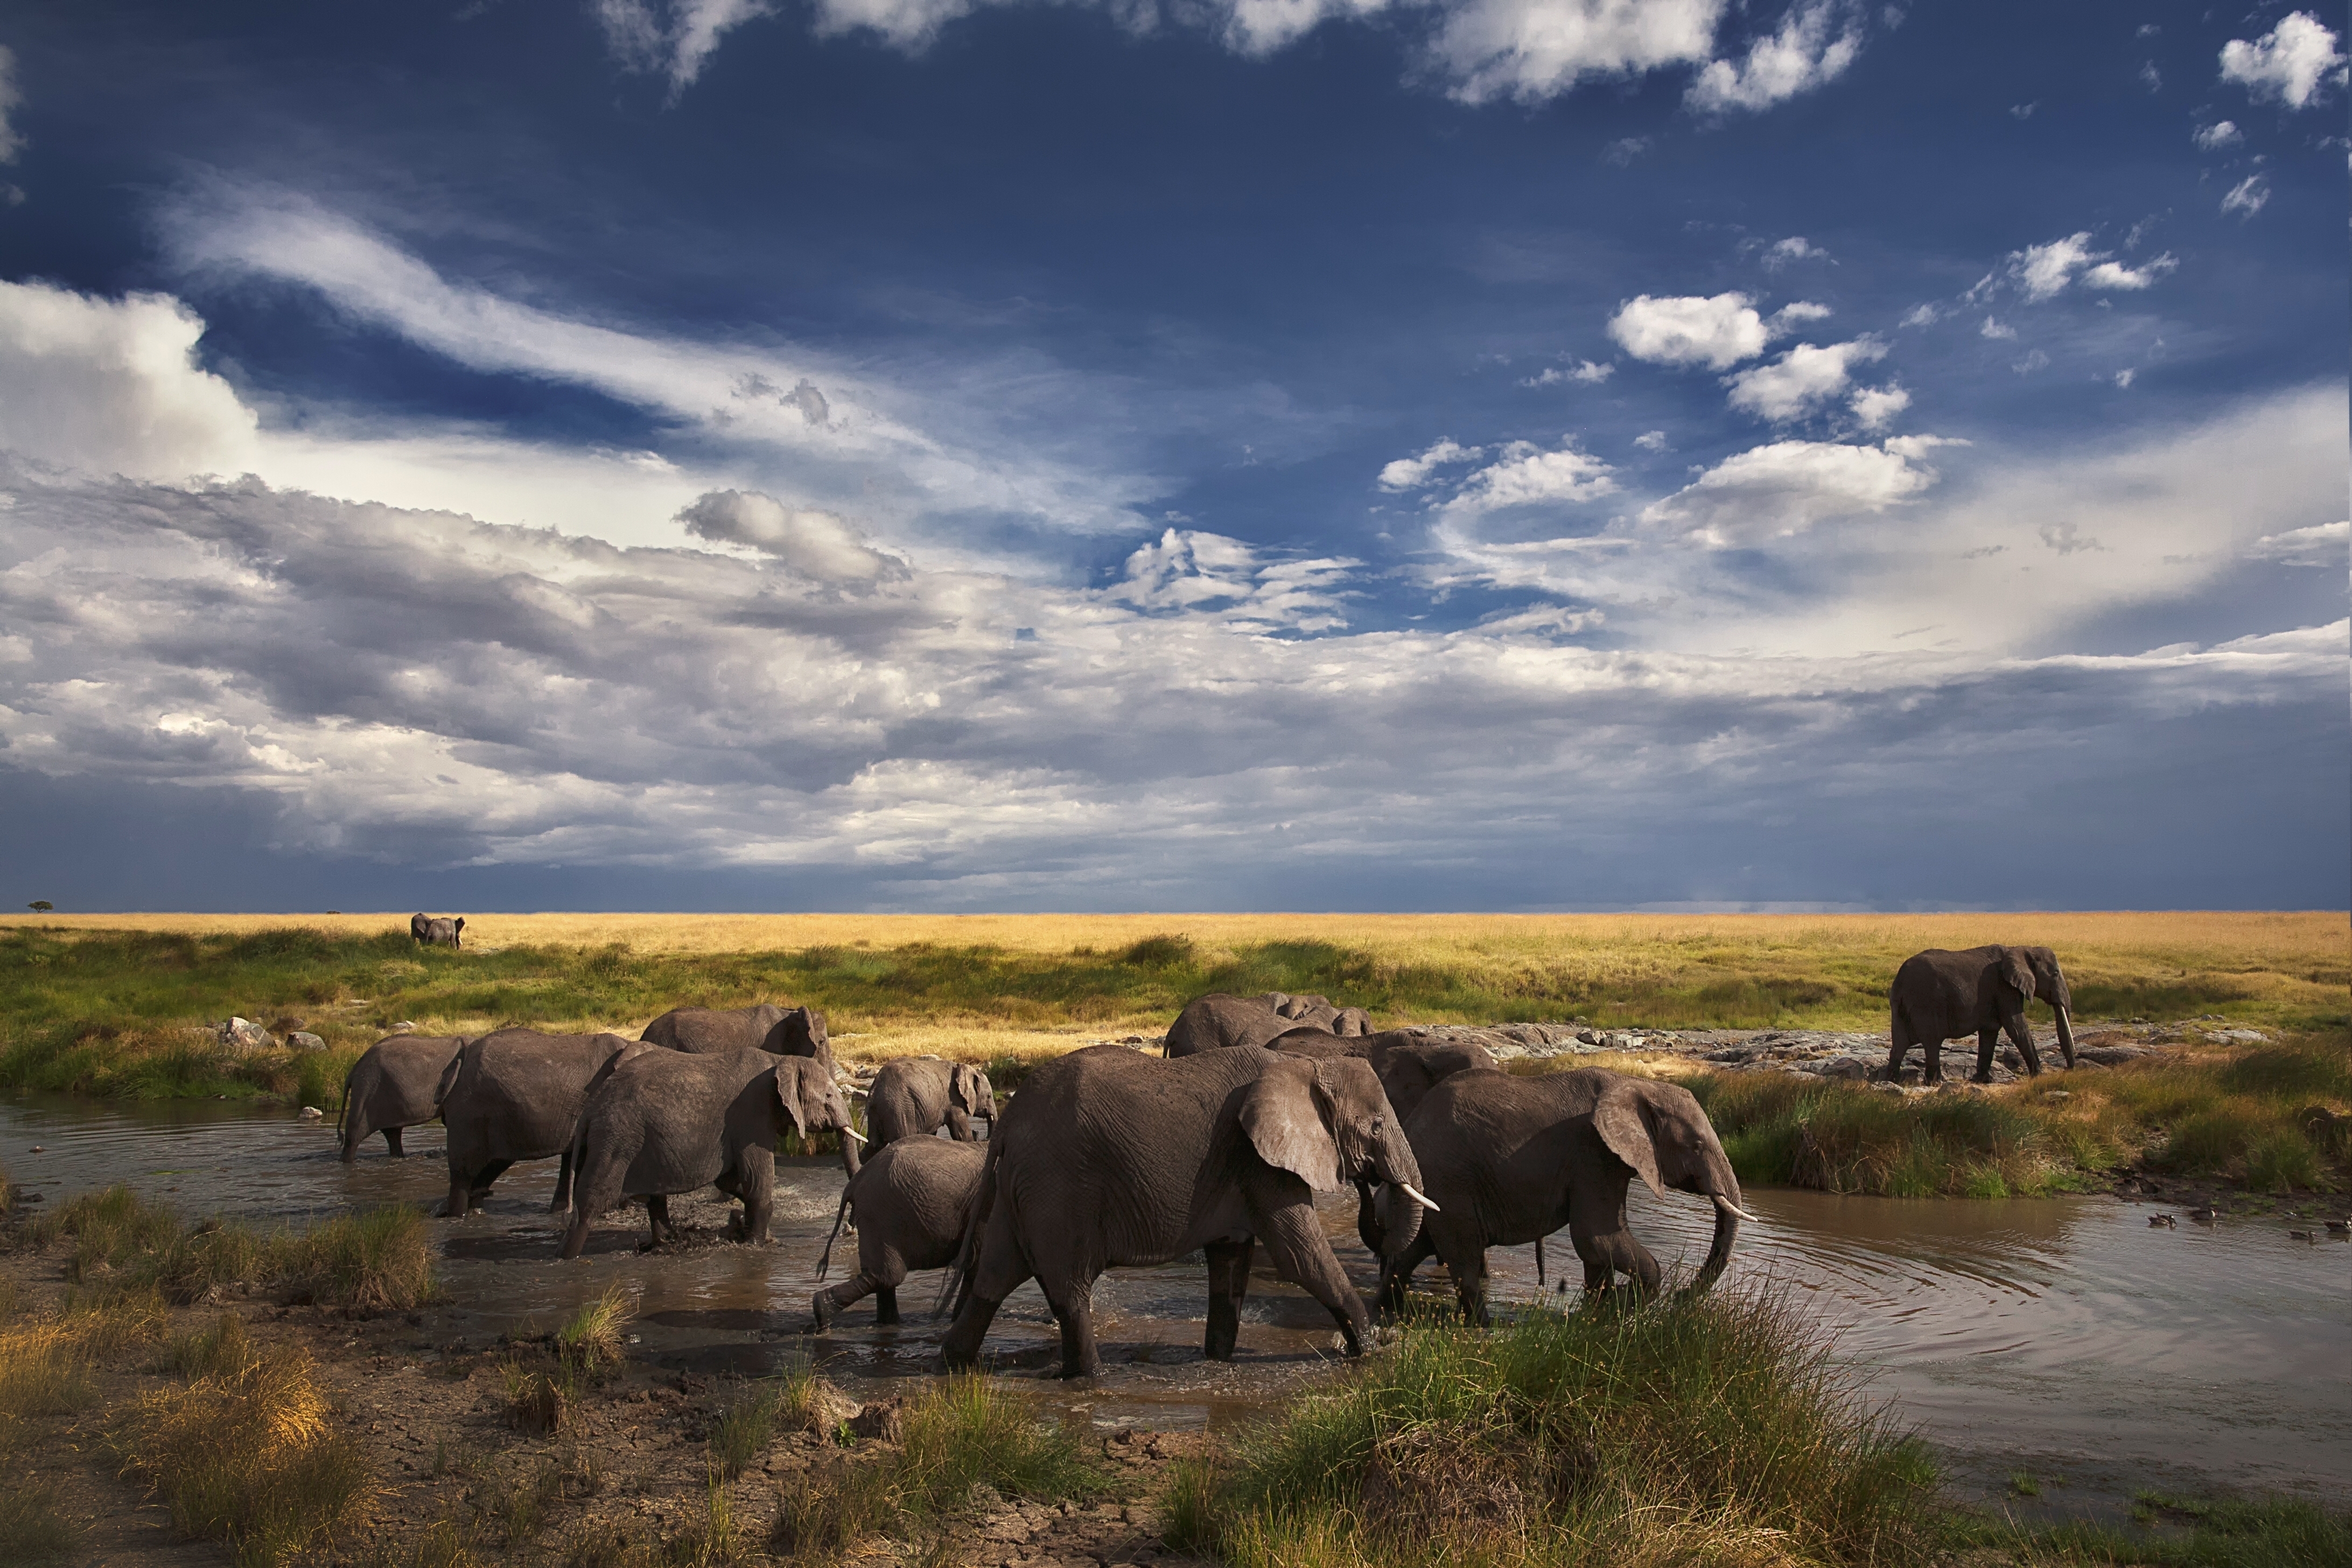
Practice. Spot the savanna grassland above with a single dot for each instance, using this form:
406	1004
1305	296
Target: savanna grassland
102	1005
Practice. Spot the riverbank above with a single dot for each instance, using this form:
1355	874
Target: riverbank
391	1436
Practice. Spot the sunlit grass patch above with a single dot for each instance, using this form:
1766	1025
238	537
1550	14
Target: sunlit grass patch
590	1341
246	1455
33	1529
1709	1429
380	1260
961	1433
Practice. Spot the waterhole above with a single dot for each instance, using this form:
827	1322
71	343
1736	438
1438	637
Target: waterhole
2061	1338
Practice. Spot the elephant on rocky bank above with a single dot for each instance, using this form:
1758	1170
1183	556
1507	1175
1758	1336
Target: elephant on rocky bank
1107	1159
1941	995
392	1087
671	1121
1219	1022
1511	1159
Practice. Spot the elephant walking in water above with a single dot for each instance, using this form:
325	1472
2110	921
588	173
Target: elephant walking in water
1107	1159
516	1094
913	1202
1511	1159
392	1087
1941	995
669	1121
913	1097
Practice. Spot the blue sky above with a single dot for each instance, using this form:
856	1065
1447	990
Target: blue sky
1504	453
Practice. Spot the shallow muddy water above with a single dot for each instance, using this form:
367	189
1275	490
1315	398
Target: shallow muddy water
2061	1337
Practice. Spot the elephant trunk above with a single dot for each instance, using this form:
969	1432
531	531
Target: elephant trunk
1395	1165
1727	1226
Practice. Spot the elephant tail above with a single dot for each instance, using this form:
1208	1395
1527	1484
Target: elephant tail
957	1281
1539	1262
825	1262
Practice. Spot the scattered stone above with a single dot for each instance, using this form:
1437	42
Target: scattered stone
405	1026
301	1040
244	1035
312	1113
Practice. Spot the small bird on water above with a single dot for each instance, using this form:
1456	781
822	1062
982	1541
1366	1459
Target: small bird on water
2339	1226
2205	1216
2301	1235
2163	1221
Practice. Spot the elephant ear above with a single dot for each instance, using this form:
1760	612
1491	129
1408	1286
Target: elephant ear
787	1079
1286	1115
1617	1117
961	1091
2017	972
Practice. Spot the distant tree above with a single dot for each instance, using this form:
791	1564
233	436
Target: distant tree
40	906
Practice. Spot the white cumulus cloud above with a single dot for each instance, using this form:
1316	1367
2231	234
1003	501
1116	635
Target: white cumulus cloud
1802	379
1534	49
2218	135
1717	330
2320	544
1796	247
817	544
1413	473
1816	41
2042	270
2290	63
1773	492
112	386
2115	274
1524	474
1874	407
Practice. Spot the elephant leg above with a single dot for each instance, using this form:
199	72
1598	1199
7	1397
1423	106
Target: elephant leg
1295	1243
392	1143
1001	1270
1931	1061
756	1184
1367	1220
461	1196
480	1188
1899	1029
1596	1224
886	1306
657	1222
959	1125
1396	1273
1986	1040
1229	1266
1073	1301
846	1294
2022	1037
562	1198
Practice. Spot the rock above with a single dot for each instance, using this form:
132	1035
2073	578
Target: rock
312	1113
2236	1037
884	1421
828	1408
244	1035
1853	1068
302	1041
405	1026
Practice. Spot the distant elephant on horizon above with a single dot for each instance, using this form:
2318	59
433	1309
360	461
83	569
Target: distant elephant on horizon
912	1202
1220	1022
434	931
517	1094
1509	1160
913	1097
1942	994
392	1087
662	1122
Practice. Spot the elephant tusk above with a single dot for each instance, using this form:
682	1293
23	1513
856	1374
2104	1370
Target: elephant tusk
1725	1203
854	1132
1413	1193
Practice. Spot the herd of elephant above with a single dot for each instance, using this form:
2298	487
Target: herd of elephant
1110	1158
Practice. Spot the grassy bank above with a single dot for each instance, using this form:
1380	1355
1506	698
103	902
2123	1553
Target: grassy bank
105	1005
121	1246
2273	1118
1709	1430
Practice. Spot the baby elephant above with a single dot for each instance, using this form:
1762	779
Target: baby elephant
913	1097
392	1087
914	1201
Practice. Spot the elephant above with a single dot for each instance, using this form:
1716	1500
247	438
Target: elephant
392	1087
1511	1159
517	1094
1409	1066
1218	1021
913	1202
1941	995
436	932
781	1031
671	1121
1107	1159
913	1097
